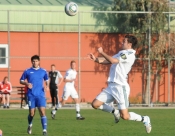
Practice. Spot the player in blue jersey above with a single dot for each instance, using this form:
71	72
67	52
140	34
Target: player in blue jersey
35	93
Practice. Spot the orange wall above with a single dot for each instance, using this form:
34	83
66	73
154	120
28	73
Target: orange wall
64	47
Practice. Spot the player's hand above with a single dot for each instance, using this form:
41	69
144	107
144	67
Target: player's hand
100	50
2	90
46	88
91	57
29	85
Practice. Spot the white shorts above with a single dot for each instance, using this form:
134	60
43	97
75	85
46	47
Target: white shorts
116	92
69	91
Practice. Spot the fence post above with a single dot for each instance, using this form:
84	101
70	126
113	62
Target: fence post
79	57
8	27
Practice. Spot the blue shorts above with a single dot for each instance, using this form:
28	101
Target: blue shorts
36	101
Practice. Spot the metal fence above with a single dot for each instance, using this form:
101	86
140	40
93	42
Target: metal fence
84	22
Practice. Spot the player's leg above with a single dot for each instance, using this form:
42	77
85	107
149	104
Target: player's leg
41	104
0	99
31	101
56	96
52	97
100	102
43	119
65	96
124	114
8	99
77	107
30	119
3	100
74	95
54	93
123	105
62	102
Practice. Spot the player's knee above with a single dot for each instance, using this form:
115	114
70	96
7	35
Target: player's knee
42	115
32	114
95	105
125	116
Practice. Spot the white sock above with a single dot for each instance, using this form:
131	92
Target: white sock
106	108
116	112
77	106
135	117
59	105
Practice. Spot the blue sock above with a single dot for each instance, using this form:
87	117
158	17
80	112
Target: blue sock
30	118
44	122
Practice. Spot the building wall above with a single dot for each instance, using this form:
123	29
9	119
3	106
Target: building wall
61	48
52	19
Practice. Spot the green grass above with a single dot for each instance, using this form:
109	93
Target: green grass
97	123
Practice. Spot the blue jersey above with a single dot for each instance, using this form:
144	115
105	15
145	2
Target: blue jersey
36	78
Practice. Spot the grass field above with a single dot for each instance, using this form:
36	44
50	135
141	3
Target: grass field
97	123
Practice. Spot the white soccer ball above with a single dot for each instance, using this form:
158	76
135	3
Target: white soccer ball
71	9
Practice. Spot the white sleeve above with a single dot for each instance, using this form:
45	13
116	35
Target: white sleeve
59	75
67	75
124	57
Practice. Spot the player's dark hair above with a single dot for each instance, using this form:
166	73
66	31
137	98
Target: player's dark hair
132	39
35	57
73	61
53	65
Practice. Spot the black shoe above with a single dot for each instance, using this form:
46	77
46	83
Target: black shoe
8	107
4	107
29	130
44	133
80	118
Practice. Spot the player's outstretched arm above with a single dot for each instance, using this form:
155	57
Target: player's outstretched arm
100	60
107	57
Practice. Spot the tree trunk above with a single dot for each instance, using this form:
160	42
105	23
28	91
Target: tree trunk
146	91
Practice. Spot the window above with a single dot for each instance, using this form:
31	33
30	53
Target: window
3	54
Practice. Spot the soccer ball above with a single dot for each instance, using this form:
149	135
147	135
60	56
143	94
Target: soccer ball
71	9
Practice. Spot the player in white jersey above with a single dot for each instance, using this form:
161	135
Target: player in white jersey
69	90
118	88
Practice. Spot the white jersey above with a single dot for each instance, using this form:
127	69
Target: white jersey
119	71
70	74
